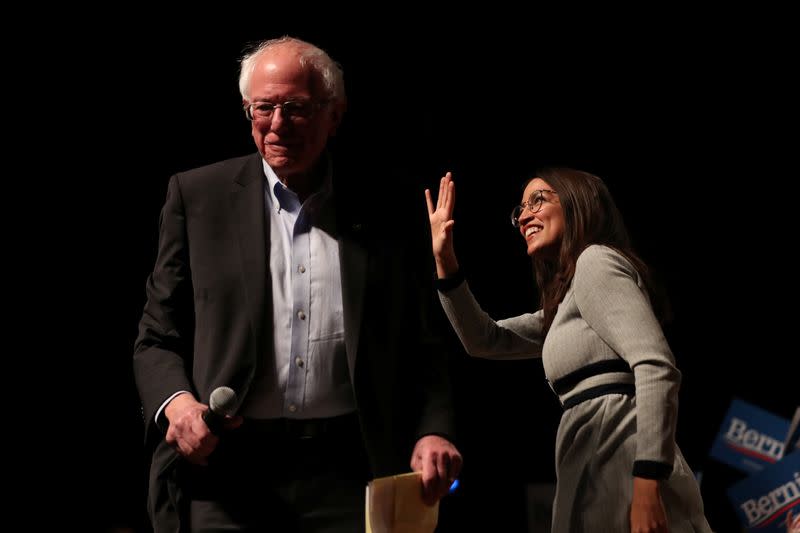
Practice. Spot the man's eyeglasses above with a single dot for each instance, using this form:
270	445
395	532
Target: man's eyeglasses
532	204
293	109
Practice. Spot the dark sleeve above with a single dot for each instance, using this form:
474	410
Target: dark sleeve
437	413
163	346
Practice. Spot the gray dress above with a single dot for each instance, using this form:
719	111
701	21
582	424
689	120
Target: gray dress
604	343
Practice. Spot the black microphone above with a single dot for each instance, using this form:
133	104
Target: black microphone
221	404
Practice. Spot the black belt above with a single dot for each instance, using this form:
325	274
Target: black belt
304	428
565	383
600	390
568	382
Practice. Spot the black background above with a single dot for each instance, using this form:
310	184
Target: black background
679	113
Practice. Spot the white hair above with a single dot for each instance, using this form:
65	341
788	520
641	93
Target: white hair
318	60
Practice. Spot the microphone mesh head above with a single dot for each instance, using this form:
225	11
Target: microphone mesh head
223	401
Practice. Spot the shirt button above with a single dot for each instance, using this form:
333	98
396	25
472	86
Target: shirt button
301	315
299	362
301	269
292	408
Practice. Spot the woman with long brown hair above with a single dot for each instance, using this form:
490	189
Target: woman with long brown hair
603	351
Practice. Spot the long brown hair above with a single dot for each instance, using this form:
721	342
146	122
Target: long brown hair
590	217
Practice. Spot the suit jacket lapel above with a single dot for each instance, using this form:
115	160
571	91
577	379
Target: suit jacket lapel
252	228
353	261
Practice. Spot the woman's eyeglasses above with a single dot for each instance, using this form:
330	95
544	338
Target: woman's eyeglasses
532	204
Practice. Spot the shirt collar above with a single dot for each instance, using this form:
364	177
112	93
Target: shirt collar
287	199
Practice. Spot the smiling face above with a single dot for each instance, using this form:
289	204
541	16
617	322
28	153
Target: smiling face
290	144
543	229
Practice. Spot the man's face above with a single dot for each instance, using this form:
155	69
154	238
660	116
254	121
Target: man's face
290	139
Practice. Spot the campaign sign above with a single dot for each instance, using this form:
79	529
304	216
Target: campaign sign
765	501
750	438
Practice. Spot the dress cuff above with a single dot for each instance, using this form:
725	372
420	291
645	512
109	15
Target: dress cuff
449	283
651	469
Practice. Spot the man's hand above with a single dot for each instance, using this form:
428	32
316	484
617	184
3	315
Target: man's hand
440	463
187	431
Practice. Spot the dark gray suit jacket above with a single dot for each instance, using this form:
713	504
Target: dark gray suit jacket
207	319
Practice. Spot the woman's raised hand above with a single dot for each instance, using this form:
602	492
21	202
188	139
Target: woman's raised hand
441	219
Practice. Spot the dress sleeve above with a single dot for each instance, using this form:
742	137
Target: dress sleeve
610	299
512	338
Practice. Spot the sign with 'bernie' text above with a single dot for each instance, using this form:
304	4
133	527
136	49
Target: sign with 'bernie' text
769	502
750	438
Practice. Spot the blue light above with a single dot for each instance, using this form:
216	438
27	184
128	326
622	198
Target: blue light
453	487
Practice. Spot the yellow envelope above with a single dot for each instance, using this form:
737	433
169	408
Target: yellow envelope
394	505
